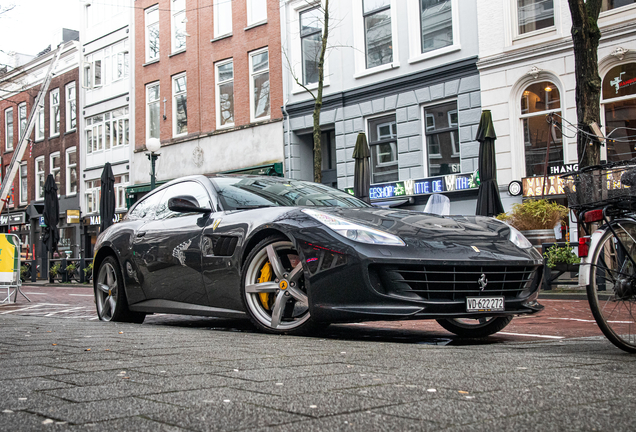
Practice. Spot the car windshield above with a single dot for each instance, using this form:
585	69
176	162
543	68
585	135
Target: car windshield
237	193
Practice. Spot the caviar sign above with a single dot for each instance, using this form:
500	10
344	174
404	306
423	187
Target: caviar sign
447	183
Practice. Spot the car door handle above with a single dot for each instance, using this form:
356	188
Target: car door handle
141	233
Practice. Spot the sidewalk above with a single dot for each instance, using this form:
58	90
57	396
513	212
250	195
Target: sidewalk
87	375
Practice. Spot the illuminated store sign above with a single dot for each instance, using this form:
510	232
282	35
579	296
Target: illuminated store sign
447	183
533	186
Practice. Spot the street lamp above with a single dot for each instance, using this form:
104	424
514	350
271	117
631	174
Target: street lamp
153	145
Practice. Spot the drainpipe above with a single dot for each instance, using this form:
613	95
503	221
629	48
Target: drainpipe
286	89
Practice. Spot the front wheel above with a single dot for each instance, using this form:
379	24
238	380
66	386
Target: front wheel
274	289
612	289
475	328
110	296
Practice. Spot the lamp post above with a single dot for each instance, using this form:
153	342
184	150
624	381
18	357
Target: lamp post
153	145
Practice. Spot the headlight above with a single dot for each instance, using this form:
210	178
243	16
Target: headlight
518	239
353	231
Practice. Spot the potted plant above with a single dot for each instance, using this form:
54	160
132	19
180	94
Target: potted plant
561	258
88	272
70	271
54	270
536	219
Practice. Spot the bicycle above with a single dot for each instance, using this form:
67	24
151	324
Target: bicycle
605	195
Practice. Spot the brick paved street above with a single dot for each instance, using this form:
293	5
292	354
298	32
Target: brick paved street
64	370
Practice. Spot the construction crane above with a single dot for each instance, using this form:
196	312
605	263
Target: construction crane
18	153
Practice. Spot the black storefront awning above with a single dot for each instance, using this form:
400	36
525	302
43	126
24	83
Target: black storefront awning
275	169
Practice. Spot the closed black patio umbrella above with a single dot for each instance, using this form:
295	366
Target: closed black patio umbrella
488	199
51	214
362	172
107	198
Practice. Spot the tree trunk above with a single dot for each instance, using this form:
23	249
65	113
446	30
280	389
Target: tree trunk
318	104
586	36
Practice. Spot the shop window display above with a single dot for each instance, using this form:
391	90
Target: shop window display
537	101
619	109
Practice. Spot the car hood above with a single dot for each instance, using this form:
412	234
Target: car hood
463	234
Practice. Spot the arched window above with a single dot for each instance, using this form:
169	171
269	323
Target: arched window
538	100
619	107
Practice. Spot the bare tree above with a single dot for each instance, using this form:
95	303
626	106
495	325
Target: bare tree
586	36
317	96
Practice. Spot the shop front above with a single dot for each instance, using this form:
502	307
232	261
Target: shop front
91	231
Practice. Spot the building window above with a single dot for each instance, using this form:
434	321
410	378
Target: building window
71	105
259	85
377	32
54	165
613	4
39	178
8	128
225	94
54	112
537	100
24	184
91	195
22	118
97	73
152	33
619	108
383	145
437	24
534	15
310	43
178	11
442	139
108	130
222	18
71	171
179	105
88	79
121	63
39	125
121	182
256	11
152	111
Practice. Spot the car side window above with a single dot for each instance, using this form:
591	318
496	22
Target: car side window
145	209
188	188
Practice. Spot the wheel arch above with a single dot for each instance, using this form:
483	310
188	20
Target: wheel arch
104	252
257	237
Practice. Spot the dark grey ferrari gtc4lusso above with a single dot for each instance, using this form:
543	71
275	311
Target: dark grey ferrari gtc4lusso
292	255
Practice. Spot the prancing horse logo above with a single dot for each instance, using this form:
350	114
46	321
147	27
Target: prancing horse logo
482	281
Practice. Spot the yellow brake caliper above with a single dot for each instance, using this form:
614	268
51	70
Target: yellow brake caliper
266	276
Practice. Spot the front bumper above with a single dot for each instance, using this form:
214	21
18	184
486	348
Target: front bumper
355	282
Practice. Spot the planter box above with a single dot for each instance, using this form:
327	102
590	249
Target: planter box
565	267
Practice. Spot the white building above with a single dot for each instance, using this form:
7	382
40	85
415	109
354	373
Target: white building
402	71
526	65
107	106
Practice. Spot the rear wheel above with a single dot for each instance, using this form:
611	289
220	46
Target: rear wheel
274	288
110	296
612	289
475	328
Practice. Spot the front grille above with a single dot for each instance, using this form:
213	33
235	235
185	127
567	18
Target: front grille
451	283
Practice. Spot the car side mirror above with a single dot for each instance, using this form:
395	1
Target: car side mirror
186	204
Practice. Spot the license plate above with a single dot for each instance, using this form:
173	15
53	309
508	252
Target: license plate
484	304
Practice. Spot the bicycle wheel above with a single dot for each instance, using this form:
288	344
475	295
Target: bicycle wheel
612	289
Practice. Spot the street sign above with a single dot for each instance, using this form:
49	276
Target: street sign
72	216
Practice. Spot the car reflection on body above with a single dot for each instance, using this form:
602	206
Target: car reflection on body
293	255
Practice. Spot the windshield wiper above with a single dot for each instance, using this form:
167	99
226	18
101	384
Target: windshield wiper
256	206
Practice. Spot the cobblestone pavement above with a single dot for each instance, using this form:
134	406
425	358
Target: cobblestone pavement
62	370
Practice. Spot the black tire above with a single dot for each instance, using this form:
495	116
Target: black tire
481	328
276	300
612	289
110	295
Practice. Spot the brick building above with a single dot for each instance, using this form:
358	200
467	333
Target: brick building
53	144
208	84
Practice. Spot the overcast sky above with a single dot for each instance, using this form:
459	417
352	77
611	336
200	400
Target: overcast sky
29	27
